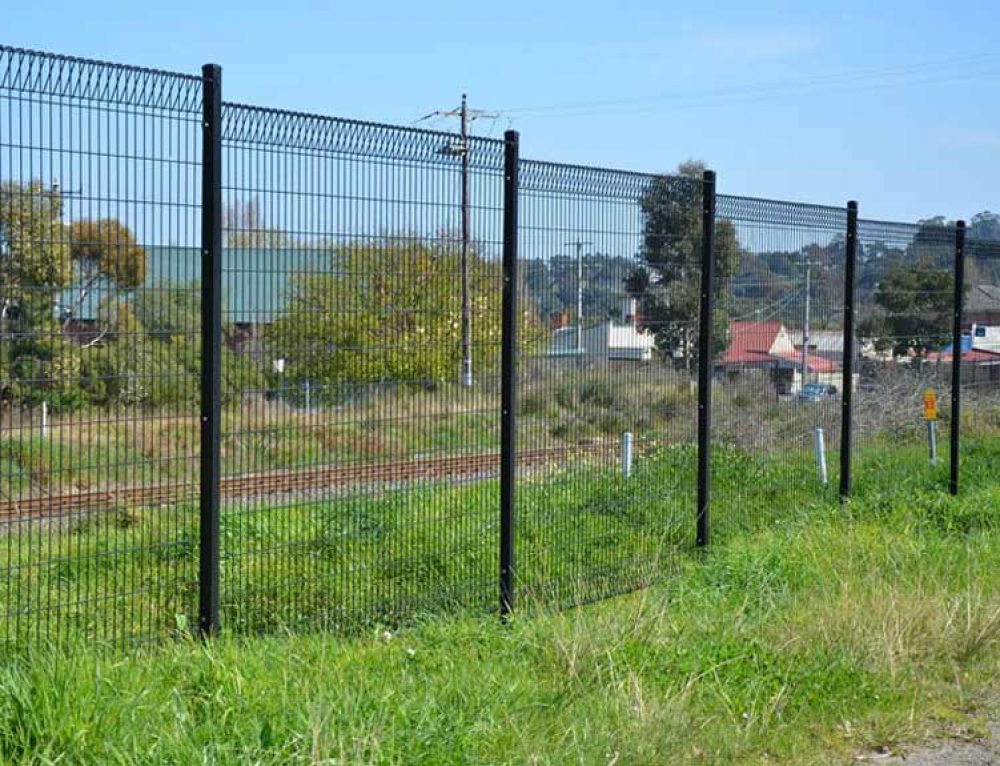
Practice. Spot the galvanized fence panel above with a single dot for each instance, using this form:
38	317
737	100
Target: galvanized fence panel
905	304
360	438
778	358
607	414
99	351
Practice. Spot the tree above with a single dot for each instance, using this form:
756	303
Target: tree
552	284
916	300
390	310
35	263
105	249
669	283
243	227
985	226
914	294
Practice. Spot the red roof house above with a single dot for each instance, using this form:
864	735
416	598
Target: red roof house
768	344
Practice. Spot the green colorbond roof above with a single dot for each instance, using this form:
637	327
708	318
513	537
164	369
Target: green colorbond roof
256	284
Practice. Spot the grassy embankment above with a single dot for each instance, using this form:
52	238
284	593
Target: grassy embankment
833	632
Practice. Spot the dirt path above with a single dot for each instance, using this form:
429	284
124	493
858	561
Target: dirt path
952	753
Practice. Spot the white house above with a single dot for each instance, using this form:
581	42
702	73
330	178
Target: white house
606	341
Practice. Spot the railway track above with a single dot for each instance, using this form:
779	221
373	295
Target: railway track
449	467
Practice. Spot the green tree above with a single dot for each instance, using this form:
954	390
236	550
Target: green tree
35	263
243	227
915	299
985	226
390	310
103	250
669	283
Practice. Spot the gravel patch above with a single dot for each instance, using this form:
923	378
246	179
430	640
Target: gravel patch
950	753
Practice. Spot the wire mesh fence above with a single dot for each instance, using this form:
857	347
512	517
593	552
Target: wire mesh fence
605	381
350	284
778	358
905	294
99	209
331	299
980	363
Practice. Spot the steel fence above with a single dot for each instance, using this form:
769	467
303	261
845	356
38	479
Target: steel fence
264	369
905	299
778	357
605	385
100	169
351	281
980	363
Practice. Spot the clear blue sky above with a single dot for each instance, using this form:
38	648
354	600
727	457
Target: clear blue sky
820	101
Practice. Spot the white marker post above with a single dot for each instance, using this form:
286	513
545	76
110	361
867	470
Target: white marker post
627	454
820	443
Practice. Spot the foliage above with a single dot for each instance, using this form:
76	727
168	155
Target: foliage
390	310
35	261
985	226
243	227
669	284
107	248
914	292
151	354
34	247
551	284
916	301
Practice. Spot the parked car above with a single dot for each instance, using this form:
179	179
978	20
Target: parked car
816	392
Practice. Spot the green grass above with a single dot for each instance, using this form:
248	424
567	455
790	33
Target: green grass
349	561
834	632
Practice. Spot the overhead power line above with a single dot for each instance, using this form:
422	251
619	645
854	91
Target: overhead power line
869	78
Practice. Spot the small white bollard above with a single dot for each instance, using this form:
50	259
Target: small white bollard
45	420
932	440
820	443
627	454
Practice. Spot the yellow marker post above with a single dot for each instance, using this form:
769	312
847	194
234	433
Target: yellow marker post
930	405
931	416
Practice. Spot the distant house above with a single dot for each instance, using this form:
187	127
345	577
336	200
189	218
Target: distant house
828	344
603	342
980	354
771	347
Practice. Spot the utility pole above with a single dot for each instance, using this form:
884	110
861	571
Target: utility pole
805	325
579	245
461	149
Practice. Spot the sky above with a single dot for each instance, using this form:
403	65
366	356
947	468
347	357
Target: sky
891	103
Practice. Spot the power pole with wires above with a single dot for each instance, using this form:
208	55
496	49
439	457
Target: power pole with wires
461	149
579	245
806	321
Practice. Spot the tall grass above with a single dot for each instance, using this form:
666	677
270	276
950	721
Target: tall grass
839	631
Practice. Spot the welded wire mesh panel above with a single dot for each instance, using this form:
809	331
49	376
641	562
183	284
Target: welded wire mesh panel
777	358
904	318
359	462
980	360
609	270
99	228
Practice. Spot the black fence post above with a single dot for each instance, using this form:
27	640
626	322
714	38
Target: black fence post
705	343
211	348
847	385
508	375
956	357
